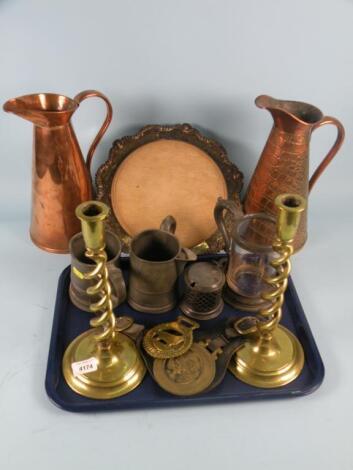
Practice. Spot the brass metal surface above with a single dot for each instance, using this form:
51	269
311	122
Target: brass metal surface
177	188
272	356
171	339
156	261
119	367
284	163
80	265
269	363
60	177
188	374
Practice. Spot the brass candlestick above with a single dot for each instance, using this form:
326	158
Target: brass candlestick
272	356
102	362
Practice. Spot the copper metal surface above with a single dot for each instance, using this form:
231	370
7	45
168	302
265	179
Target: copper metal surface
60	178
167	170
284	165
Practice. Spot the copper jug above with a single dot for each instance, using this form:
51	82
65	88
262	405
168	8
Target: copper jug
284	164
60	177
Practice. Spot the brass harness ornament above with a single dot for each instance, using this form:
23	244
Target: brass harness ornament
272	356
115	366
180	366
172	339
188	374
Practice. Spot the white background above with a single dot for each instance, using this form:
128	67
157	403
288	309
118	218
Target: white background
163	61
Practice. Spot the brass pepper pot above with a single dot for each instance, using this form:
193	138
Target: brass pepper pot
102	362
273	356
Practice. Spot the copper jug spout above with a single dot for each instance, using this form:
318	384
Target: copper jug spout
284	163
42	109
265	101
289	115
61	179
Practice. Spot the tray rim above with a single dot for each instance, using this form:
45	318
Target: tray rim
105	405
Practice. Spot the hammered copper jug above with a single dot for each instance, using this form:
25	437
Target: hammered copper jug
284	164
60	177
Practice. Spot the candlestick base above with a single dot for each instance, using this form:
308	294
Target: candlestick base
269	363
119	369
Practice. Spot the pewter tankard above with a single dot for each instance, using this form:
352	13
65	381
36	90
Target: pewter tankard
80	263
156	261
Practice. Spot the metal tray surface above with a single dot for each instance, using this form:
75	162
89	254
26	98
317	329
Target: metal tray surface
69	322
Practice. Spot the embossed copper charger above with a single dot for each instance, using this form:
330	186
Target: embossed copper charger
69	322
165	170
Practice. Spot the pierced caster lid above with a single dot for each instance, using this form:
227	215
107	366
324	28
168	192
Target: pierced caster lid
204	282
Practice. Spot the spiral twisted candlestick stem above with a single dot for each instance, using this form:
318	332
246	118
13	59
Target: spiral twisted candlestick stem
290	207
106	321
92	215
269	318
115	366
273	356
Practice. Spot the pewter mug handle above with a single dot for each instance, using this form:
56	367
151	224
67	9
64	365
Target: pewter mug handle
186	255
332	152
168	224
92	94
221	206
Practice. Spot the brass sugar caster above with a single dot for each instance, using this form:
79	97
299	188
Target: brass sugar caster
273	356
101	363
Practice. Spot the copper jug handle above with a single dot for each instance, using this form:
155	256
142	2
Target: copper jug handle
221	206
96	94
334	149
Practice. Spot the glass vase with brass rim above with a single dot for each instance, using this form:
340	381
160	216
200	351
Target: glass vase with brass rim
249	255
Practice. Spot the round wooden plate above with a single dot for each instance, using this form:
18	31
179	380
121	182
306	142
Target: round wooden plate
168	177
167	171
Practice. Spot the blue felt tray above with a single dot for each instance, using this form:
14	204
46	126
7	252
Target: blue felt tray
69	322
